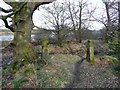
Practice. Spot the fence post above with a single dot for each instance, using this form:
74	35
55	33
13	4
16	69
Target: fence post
44	55
90	52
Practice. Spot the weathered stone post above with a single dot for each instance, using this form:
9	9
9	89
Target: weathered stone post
90	52
44	55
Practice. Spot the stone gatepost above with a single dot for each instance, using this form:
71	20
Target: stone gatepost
90	52
45	53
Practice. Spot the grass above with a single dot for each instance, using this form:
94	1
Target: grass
109	59
58	72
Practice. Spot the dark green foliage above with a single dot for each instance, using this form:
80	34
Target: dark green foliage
18	84
23	75
14	64
29	71
115	47
117	69
60	43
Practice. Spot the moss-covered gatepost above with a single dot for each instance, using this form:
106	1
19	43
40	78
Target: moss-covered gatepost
90	52
45	53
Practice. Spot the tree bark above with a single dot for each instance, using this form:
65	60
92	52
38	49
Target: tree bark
119	22
80	22
59	42
73	22
108	21
24	51
118	30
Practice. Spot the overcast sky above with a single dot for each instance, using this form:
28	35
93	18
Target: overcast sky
38	22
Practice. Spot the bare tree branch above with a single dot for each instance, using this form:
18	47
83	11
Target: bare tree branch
6	11
7	26
4	18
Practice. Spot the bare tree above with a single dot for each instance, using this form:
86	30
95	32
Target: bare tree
79	15
109	18
58	19
72	18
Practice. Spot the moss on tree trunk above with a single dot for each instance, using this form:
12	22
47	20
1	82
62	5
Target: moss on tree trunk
24	52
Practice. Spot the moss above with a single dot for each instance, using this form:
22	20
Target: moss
24	53
44	44
90	52
18	84
45	54
92	61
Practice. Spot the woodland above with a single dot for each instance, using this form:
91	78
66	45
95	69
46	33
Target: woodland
65	53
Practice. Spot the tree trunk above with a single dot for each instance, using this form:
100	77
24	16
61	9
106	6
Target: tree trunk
119	30
24	52
73	22
80	22
59	42
119	22
14	41
108	21
106	35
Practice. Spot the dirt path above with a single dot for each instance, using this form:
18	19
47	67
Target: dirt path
98	76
